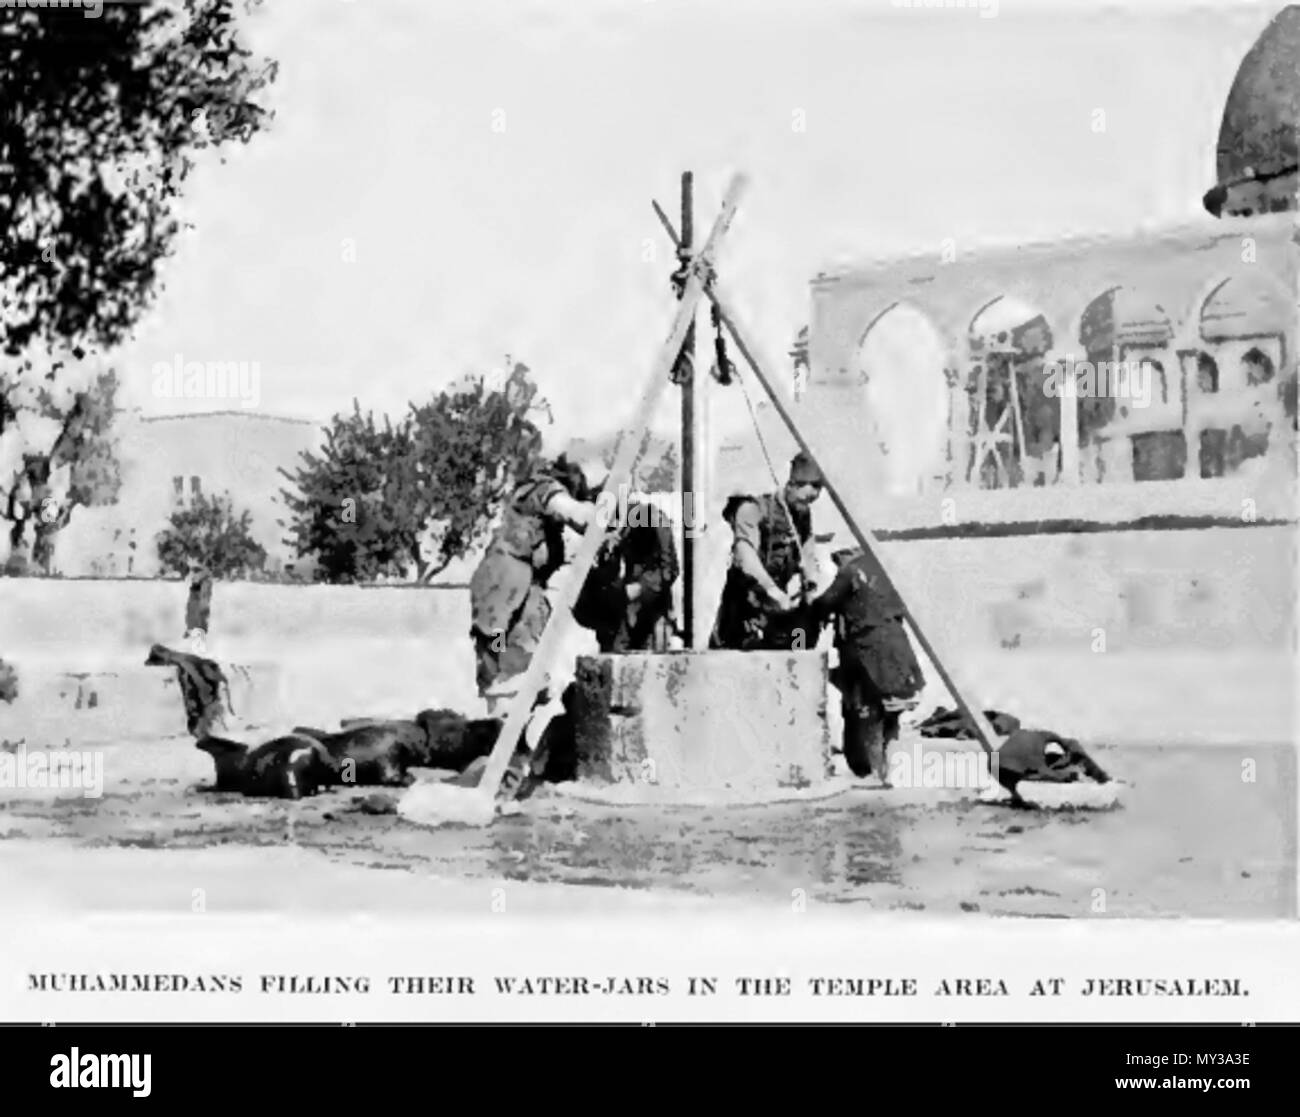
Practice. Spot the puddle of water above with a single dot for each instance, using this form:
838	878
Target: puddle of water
1192	839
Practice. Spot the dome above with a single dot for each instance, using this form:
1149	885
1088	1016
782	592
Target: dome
1257	152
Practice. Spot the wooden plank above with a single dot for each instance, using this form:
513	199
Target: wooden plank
691	392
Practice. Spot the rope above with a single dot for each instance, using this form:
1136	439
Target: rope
758	433
726	372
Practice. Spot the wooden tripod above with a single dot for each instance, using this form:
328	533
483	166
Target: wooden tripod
701	282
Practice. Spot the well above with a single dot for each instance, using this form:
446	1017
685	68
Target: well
718	725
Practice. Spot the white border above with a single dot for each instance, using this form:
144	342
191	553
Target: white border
796	946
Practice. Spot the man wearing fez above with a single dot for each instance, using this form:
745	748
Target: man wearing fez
772	542
508	590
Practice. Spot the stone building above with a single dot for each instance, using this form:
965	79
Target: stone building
1152	373
165	462
1056	440
1201	321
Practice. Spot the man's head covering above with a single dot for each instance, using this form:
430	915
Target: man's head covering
570	475
804	471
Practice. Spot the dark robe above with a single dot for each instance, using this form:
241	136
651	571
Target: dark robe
746	619
198	608
641	553
202	684
876	657
1025	755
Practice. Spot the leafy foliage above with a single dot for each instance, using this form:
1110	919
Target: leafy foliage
101	119
470	447
657	464
351	510
65	454
415	495
99	122
209	532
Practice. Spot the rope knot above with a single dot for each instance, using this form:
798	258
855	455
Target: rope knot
704	271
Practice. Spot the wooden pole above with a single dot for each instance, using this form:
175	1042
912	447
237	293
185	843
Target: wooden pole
700	606
865	538
629	450
689	397
1020	423
1068	399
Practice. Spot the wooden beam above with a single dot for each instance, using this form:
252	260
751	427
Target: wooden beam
1068	399
1019	455
690	396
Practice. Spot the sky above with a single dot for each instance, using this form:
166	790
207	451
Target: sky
447	183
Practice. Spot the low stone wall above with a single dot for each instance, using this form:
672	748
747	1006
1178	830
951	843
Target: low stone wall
1151	697
90	617
1211	588
57	708
1226	588
1154	635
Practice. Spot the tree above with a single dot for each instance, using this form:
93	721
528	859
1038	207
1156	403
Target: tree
374	499
77	467
470	447
354	509
101	120
209	532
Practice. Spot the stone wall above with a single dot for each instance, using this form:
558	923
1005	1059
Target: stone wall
1216	288
1153	589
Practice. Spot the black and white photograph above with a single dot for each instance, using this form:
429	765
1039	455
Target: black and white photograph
483	468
